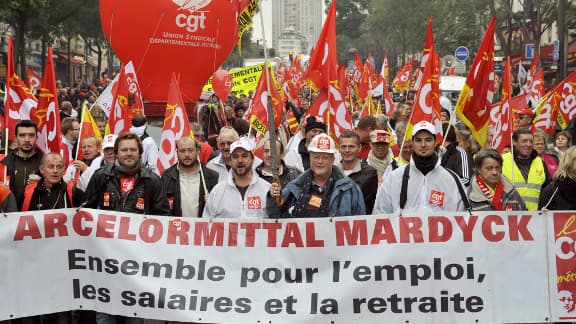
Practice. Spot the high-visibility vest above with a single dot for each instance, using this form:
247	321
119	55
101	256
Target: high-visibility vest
529	189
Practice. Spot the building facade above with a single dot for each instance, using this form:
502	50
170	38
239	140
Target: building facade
303	17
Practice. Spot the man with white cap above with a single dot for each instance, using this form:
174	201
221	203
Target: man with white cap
429	184
107	157
243	193
321	191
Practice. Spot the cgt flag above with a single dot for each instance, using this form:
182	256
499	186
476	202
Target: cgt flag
501	115
473	106
19	102
259	104
48	112
32	80
176	126
127	101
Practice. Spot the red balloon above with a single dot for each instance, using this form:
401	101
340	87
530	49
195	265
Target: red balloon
222	82
189	37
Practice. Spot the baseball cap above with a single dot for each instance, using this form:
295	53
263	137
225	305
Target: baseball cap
242	143
108	141
379	136
424	125
525	111
322	143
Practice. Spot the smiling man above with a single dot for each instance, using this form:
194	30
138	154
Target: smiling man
431	187
243	193
527	171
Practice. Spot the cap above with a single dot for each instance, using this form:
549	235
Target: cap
379	136
314	122
108	141
424	125
322	143
525	111
242	143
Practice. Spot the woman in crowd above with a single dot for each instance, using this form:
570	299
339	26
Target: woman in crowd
490	190
561	143
550	160
560	194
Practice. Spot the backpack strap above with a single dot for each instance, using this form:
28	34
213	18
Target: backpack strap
404	188
460	190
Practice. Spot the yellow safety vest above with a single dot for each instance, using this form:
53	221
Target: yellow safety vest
529	189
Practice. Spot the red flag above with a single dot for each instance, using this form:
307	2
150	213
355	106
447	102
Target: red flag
323	60
88	128
364	84
259	103
563	100
501	116
473	106
359	68
176	126
385	71
402	79
127	101
427	99
48	112
428	48
19	102
389	104
32	80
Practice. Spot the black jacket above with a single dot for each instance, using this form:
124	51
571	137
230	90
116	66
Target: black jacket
57	197
558	195
458	160
10	163
289	173
147	196
367	180
171	184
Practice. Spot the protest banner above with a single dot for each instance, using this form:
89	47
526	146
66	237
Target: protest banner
446	268
245	79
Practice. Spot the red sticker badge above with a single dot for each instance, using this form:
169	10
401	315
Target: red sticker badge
437	198
254	202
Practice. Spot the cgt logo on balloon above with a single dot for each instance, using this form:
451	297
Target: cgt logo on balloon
192	22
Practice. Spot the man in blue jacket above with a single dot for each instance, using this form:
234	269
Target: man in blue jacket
321	191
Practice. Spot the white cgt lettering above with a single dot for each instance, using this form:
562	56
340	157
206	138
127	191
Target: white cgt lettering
192	22
560	252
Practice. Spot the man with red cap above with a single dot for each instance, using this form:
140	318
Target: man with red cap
524	118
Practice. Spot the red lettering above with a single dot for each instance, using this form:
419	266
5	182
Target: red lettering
519	228
105	226
345	235
466	227
250	229
232	234
209	233
434	224
151	236
272	229
53	223
487	228
77	221
411	226
27	226
311	240
178	230
383	231
124	229
292	236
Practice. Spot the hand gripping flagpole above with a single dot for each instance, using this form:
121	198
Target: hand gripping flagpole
271	124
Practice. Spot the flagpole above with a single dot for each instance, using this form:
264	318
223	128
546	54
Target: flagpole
271	123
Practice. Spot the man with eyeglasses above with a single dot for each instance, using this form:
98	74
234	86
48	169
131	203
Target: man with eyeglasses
221	163
524	118
321	191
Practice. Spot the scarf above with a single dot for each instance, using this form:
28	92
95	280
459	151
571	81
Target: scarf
301	205
495	198
125	171
378	164
425	164
138	130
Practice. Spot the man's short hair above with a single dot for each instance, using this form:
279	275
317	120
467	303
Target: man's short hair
128	136
139	120
350	134
98	142
45	156
196	143
25	123
66	124
486	153
367	122
519	131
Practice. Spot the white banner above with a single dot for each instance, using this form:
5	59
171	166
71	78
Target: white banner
453	268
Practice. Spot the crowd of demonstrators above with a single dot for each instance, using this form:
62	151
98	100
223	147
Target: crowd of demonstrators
375	169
